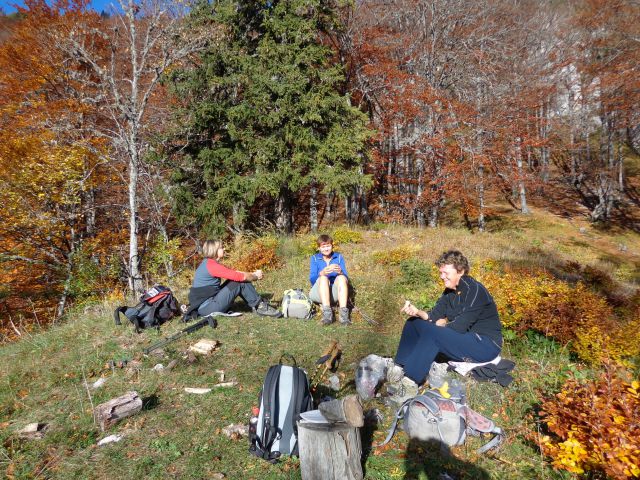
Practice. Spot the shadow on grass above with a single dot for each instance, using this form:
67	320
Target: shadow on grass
437	462
150	402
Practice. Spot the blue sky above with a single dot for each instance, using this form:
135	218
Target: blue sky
97	5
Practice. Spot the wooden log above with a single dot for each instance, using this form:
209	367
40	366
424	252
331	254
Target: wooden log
329	451
108	413
348	409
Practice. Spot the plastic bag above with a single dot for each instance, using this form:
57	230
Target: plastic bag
370	373
443	380
437	375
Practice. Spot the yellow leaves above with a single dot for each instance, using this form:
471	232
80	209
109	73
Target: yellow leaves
572	314
594	426
619	419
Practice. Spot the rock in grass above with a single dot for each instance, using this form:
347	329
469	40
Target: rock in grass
110	439
33	431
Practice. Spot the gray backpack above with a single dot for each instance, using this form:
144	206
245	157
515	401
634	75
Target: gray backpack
284	396
432	417
296	304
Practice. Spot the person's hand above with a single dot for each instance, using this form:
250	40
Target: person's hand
329	269
410	309
258	274
337	269
441	322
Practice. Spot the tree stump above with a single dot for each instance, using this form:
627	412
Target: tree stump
329	451
116	409
348	409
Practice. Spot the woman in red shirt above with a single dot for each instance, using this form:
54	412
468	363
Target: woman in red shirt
215	286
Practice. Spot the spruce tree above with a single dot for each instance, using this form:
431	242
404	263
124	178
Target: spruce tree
262	115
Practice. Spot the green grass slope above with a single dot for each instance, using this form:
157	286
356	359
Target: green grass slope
178	434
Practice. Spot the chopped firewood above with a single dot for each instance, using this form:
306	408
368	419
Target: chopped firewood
199	391
225	384
205	346
108	413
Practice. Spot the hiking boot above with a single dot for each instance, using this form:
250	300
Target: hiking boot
394	372
327	315
344	316
265	310
402	391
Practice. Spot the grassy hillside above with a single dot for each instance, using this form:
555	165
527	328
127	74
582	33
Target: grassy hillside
178	435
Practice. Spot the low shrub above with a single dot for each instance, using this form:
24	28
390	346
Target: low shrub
593	426
395	256
573	315
164	256
344	235
256	254
416	273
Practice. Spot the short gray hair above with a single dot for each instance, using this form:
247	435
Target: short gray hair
455	258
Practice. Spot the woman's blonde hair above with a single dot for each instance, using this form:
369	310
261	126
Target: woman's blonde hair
210	248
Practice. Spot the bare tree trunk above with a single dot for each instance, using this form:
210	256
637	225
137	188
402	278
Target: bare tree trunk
135	279
348	208
62	301
313	207
522	192
284	220
544	135
419	213
481	219
361	199
620	167
434	211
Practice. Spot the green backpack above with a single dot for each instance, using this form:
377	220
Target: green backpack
296	304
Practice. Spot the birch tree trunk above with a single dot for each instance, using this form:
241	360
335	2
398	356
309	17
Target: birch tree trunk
481	219
313	207
144	39
522	192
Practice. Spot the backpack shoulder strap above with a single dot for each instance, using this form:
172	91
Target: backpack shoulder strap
298	397
116	314
149	318
479	423
269	394
399	416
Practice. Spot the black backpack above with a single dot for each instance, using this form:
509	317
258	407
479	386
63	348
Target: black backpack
284	396
157	306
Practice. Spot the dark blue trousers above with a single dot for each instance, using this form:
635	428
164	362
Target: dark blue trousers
224	298
422	341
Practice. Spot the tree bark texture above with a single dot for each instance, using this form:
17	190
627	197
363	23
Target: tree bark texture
329	451
108	413
348	410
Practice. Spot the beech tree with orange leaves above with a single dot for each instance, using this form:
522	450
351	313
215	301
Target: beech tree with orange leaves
49	166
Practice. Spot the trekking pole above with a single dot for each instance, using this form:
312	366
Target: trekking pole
328	360
208	320
370	320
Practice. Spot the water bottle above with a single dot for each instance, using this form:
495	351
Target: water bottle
253	422
366	382
457	390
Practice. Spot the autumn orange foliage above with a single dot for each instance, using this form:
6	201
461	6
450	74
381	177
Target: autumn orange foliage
572	314
50	162
593	426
